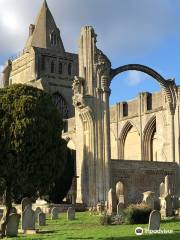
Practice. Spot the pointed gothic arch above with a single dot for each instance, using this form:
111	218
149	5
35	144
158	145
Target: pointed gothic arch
122	138
148	133
168	86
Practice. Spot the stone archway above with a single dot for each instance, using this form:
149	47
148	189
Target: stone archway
169	87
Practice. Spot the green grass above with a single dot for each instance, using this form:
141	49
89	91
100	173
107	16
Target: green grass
88	227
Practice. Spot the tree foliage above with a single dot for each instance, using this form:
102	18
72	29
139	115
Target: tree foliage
32	152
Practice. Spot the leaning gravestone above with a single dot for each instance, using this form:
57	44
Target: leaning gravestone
28	219
54	213
120	208
37	211
41	219
12	225
71	213
24	203
154	220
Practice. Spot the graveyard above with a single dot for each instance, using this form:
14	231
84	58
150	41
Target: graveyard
74	166
88	227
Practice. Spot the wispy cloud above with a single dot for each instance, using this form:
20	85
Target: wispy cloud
134	78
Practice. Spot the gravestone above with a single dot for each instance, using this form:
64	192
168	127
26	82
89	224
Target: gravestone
71	213
37	211
100	207
112	202
28	219
12	225
41	219
24	203
13	210
120	208
166	204
54	213
149	199
154	220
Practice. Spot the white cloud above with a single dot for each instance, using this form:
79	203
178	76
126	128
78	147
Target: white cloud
135	78
123	27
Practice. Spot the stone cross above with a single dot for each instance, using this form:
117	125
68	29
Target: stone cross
41	219
54	213
112	202
154	220
12	225
28	219
71	213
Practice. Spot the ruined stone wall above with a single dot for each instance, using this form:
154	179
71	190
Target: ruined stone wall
139	114
138	177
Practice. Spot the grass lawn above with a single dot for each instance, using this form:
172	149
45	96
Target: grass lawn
88	227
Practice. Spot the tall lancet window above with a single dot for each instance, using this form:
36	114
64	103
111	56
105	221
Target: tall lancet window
54	38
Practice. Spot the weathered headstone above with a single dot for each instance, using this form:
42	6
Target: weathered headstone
166	204
154	220
149	199
54	213
162	189
71	213
37	211
28	219
120	192
12	225
42	219
112	202
120	208
100	207
24	203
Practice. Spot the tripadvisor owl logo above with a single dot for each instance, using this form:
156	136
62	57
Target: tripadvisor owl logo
139	231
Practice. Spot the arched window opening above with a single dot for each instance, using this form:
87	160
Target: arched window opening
153	146
54	39
132	145
69	69
150	144
60	68
61	104
52	67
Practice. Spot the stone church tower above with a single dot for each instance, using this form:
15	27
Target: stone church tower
44	63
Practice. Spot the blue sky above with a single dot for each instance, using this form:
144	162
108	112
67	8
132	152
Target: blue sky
129	31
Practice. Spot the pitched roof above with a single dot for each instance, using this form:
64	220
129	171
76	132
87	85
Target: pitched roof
45	33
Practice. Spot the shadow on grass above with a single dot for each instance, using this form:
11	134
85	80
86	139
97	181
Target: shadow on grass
173	236
46	232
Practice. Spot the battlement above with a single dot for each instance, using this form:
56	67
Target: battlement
144	103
